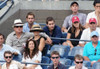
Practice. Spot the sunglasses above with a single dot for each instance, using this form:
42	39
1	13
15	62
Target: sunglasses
8	57
92	23
54	57
76	22
95	51
18	26
79	62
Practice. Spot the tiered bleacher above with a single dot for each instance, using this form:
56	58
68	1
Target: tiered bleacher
66	53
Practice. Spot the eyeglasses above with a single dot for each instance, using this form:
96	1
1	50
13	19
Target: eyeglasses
54	57
92	23
79	62
95	51
18	26
76	22
8	57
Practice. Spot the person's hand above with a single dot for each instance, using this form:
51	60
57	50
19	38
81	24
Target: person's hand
64	43
92	62
30	67
49	41
15	53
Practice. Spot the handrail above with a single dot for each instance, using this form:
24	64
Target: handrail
31	63
7	10
36	63
69	39
3	2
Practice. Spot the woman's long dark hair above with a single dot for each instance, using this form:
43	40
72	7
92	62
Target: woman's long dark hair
27	50
80	27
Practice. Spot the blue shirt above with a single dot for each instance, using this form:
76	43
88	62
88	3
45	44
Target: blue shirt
56	33
92	53
7	48
26	27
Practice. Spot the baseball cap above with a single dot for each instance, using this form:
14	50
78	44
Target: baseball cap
18	22
94	33
75	18
92	20
74	3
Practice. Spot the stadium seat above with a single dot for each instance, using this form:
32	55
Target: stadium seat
63	50
65	61
76	50
45	60
45	50
96	65
64	35
18	58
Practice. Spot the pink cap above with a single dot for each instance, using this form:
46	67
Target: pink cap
92	20
75	18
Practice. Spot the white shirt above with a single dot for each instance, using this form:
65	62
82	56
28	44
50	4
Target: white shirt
14	65
73	67
86	35
38	57
91	15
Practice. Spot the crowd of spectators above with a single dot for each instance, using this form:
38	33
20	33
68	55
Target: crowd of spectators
28	40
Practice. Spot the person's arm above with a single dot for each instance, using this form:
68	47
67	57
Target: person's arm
14	51
84	19
68	41
64	29
98	18
42	44
38	59
9	40
65	25
87	21
86	58
83	35
57	34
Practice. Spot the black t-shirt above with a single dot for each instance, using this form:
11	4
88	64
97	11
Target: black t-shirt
74	43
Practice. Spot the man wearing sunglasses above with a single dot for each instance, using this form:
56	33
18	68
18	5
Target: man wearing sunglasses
4	47
11	64
17	38
86	33
95	14
55	57
91	50
78	61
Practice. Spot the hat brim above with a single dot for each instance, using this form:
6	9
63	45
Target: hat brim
40	30
17	25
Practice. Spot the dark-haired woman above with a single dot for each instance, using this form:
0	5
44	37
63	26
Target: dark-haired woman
74	32
32	54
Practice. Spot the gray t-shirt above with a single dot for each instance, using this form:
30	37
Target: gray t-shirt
68	20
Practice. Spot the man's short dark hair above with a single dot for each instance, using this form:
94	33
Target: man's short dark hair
95	2
55	53
74	3
49	19
2	35
79	57
8	52
30	13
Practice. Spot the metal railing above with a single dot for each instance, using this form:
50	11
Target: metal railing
31	63
2	4
69	39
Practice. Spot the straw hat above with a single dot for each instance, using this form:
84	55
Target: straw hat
36	28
